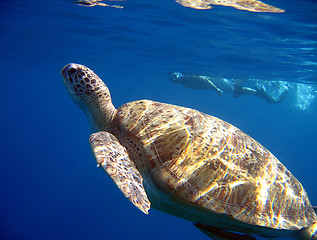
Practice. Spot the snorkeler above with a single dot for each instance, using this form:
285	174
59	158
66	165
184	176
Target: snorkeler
261	92
194	81
221	85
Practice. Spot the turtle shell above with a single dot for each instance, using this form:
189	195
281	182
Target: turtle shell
210	164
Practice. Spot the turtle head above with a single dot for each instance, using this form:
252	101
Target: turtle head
90	93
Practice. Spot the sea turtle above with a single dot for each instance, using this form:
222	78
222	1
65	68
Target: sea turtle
191	165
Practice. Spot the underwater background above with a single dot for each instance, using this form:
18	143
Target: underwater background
50	187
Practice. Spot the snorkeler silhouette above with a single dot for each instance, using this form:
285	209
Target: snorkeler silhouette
221	85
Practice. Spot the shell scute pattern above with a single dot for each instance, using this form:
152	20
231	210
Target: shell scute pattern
204	161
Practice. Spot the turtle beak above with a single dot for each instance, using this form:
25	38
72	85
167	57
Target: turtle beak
70	69
70	73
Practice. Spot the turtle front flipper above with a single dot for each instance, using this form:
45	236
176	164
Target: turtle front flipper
114	159
220	234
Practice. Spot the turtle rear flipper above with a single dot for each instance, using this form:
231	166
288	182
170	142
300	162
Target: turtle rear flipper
114	159
220	234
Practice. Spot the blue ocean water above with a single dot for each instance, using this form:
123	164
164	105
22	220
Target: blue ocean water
50	186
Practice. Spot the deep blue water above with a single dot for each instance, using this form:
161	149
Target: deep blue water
50	186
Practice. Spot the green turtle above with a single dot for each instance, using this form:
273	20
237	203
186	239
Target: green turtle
248	5
191	165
